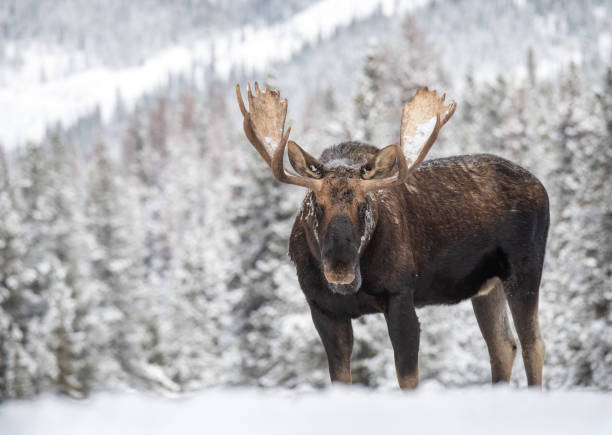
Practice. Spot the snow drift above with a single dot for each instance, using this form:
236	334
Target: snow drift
334	411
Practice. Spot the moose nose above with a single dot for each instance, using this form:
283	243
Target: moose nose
343	274
340	249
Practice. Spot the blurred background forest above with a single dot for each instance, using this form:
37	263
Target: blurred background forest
143	242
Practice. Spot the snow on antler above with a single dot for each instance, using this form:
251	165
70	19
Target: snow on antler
422	119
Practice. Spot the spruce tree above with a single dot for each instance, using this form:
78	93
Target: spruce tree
32	358
115	268
592	213
16	377
74	296
143	307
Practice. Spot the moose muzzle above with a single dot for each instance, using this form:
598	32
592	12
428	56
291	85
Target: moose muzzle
340	256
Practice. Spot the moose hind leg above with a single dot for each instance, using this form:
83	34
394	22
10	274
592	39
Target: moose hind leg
491	314
523	301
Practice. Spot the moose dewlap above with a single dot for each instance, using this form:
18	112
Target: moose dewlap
381	231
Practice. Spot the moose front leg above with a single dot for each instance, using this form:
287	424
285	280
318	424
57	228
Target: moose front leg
404	332
337	336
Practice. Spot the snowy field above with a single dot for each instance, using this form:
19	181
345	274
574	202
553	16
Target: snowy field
431	410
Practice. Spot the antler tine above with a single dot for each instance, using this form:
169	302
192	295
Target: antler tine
284	176
240	102
278	164
248	131
451	110
250	95
264	125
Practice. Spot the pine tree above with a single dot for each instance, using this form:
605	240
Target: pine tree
140	351
367	99
193	338
15	362
592	213
467	118
116	270
30	359
493	104
73	296
578	206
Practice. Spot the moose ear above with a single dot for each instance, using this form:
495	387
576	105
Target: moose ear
305	164
380	165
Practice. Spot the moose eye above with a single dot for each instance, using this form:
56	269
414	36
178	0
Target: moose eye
365	169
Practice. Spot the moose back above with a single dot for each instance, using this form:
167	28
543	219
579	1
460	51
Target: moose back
381	231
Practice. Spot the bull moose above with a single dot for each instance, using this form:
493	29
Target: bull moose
382	231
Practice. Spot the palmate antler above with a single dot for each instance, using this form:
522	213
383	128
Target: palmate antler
419	115
422	119
264	125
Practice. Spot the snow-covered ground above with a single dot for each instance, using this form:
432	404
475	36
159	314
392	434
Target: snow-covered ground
430	410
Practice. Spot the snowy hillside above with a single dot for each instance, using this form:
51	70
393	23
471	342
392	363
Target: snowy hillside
335	411
43	83
52	85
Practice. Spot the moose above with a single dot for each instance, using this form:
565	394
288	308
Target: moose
383	231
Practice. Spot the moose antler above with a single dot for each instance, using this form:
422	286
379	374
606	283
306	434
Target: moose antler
264	125
424	114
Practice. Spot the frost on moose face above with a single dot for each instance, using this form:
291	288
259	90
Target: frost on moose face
340	222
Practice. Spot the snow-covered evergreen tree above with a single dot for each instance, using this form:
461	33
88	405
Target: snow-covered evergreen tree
587	217
115	267
31	361
196	332
16	365
144	308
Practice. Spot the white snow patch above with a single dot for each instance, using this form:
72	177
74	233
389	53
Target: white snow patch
341	162
413	144
369	228
27	108
334	411
316	221
270	145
